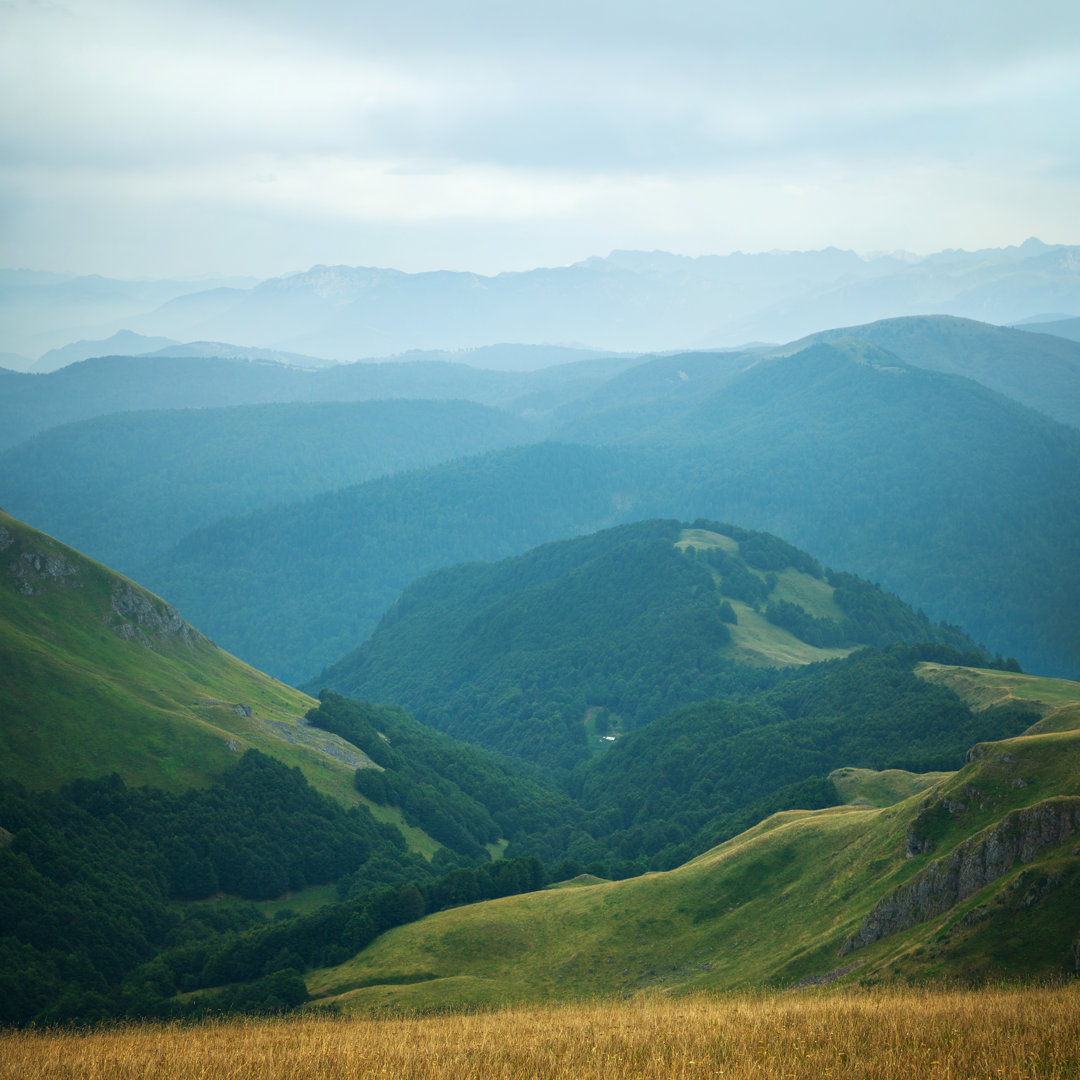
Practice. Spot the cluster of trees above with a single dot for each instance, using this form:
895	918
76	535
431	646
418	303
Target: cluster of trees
88	880
510	655
671	790
461	795
241	963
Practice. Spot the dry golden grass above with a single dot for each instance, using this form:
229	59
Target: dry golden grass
869	1035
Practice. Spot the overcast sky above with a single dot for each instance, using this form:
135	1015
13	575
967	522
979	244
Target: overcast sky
153	138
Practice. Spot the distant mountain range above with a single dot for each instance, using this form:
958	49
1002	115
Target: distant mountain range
629	301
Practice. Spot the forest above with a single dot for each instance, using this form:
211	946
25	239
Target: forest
957	499
99	879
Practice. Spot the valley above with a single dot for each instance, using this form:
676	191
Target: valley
629	677
539	541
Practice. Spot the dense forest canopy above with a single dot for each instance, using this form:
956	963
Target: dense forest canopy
637	620
953	497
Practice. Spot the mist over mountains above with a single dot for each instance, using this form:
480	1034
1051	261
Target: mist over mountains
640	603
933	454
629	301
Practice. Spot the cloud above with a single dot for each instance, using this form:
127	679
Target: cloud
542	115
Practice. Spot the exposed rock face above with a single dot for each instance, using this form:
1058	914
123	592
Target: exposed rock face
36	568
1015	840
147	620
917	845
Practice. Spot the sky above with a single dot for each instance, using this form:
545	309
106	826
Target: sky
260	137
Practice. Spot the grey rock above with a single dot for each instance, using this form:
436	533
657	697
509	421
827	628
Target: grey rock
37	568
147	619
1015	840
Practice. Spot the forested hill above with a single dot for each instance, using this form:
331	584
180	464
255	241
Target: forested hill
1040	370
108	384
166	473
634	621
957	499
361	546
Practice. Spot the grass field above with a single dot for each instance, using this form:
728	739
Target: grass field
756	642
865	787
1057	701
880	1034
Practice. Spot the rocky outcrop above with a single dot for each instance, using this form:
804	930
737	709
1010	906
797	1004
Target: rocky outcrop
39	567
1015	840
146	619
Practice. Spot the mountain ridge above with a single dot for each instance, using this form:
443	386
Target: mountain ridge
637	301
795	901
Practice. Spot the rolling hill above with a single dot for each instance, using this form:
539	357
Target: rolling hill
1065	327
959	500
1036	369
166	473
973	875
30	404
364	544
635	621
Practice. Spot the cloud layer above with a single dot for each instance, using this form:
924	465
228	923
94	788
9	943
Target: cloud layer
163	138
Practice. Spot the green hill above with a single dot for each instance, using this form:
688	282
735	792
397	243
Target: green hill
160	475
144	772
955	498
101	676
635	621
973	877
1037	369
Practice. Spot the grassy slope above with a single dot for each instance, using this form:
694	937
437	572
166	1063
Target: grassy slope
774	905
1058	700
754	640
866	787
78	700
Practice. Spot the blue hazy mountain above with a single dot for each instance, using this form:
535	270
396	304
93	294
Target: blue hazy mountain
628	302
